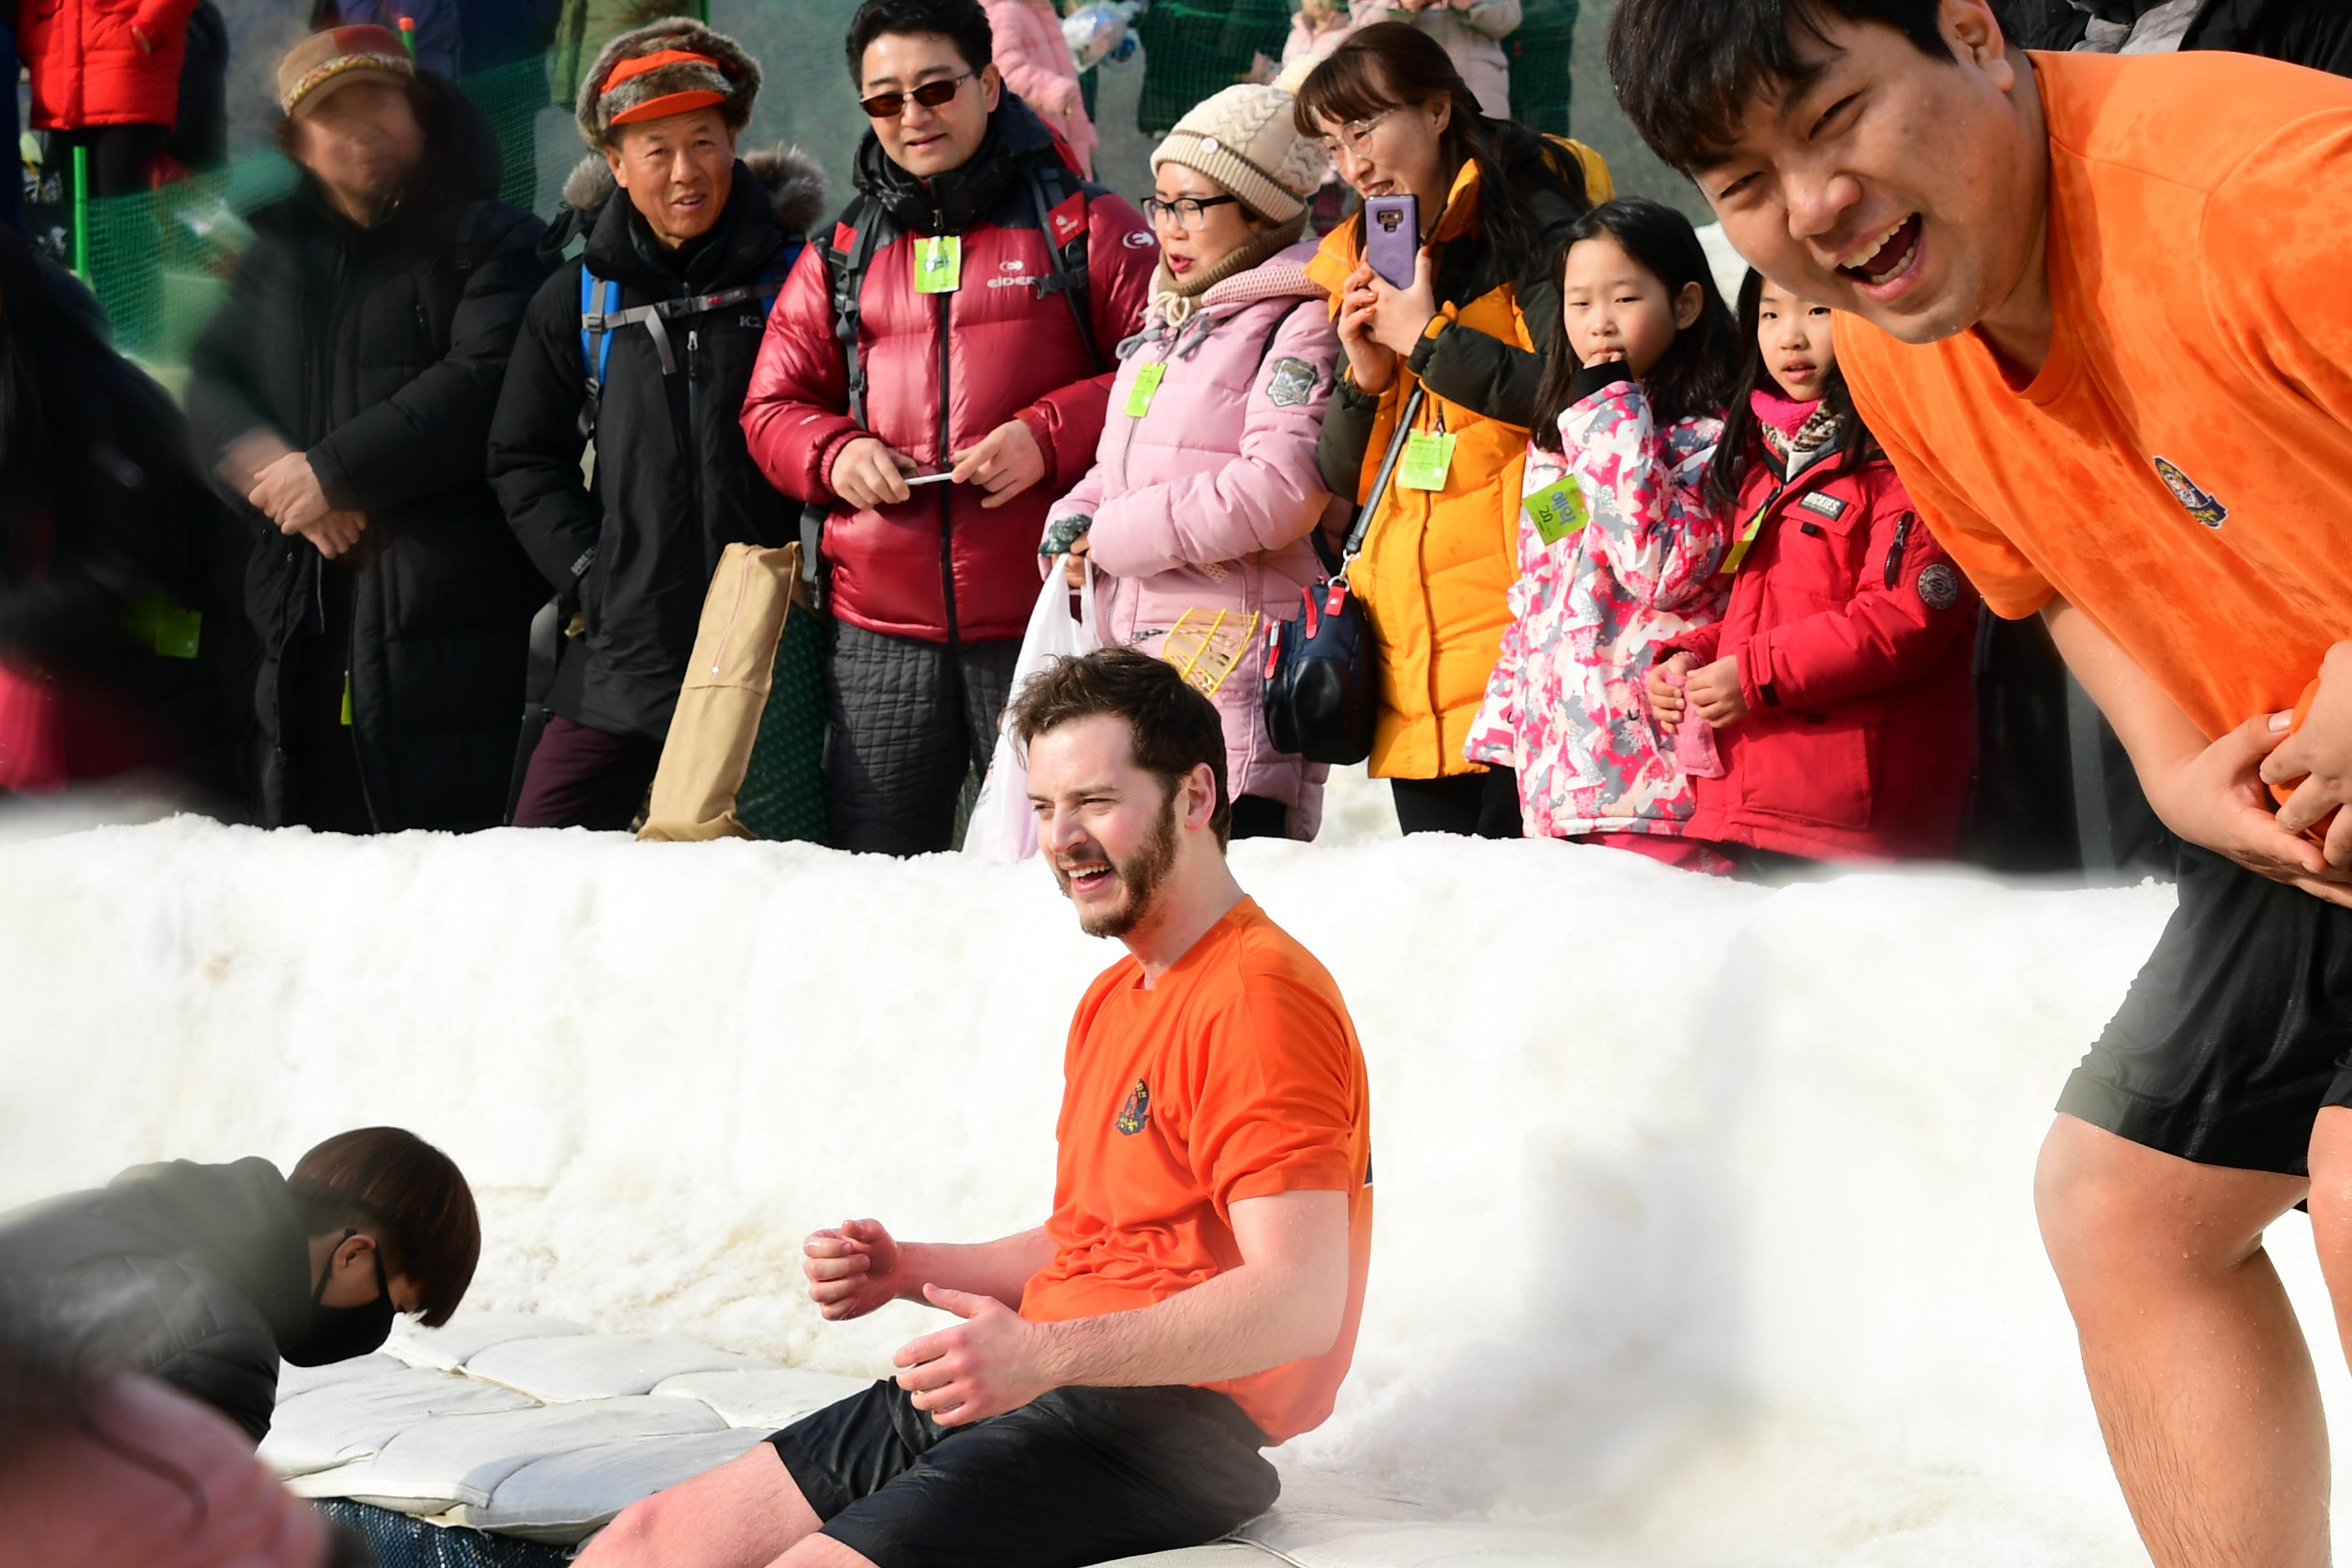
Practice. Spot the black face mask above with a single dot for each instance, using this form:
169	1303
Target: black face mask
341	1333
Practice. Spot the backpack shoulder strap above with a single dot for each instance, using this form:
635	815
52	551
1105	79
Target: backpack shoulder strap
846	259
1069	276
595	340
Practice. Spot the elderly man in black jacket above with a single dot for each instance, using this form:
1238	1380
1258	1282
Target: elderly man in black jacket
344	397
689	244
203	1276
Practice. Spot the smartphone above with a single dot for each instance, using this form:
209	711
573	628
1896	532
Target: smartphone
1392	237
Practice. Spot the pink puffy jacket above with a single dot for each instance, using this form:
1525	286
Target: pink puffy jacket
1203	504
1027	38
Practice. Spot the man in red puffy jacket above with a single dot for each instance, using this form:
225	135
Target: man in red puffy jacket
961	322
106	77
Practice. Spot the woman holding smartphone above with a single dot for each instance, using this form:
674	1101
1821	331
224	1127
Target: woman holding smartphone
1492	203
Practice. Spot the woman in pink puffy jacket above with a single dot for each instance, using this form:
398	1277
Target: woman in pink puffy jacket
1036	61
1200	510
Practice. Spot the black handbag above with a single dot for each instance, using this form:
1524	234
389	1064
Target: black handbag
1321	692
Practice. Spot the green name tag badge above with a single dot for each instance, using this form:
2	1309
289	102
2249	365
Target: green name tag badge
1145	388
1428	457
1557	510
938	264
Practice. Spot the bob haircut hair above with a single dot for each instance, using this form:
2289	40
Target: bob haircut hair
1172	728
960	22
1393	65
408	1194
1696	374
1742	437
1687	71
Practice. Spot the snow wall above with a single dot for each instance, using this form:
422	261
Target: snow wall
1704	1232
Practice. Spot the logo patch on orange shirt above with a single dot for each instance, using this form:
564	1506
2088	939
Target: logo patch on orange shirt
1135	1113
2202	505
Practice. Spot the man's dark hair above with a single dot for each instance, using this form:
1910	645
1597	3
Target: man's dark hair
1686	70
960	22
408	1194
1172	727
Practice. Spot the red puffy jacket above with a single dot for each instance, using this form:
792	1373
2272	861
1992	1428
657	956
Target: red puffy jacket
1855	634
88	70
944	369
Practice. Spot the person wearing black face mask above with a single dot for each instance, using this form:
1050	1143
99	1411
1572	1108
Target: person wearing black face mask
204	1277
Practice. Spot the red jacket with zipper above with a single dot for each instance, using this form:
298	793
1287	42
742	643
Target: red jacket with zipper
1854	635
88	68
941	372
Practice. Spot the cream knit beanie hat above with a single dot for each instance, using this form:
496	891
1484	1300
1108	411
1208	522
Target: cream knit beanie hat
1246	140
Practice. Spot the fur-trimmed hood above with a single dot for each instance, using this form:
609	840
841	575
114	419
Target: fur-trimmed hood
737	75
795	185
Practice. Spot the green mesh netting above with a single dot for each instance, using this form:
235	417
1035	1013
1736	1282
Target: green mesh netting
783	795
159	263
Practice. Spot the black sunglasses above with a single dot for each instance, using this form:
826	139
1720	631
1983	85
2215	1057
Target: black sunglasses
930	95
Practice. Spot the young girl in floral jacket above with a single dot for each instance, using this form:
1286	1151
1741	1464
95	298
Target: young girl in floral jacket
1618	541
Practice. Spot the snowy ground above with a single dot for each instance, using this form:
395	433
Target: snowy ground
1704	1229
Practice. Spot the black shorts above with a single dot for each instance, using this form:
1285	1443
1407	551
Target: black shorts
2236	1033
1078	1476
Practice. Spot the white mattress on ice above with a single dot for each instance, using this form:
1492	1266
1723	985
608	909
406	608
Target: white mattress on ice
1704	1234
423	1429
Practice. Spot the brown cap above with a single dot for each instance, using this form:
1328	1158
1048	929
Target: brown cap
662	69
325	61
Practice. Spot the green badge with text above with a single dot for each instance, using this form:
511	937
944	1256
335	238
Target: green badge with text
938	263
1146	387
1557	510
1428	457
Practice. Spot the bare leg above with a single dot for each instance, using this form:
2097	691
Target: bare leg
744	1514
2331	1211
2203	1384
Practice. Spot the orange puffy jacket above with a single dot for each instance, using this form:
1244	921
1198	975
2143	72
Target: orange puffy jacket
88	66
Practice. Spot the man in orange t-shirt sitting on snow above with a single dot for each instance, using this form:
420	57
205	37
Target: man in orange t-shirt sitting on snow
2097	316
1195	1293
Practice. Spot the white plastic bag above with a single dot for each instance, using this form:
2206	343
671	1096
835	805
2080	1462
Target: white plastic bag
1003	827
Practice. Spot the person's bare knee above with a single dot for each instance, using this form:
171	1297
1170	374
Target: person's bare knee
2331	1202
744	1514
2117	1216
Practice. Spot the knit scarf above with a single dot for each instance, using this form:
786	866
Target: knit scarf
1173	299
1794	433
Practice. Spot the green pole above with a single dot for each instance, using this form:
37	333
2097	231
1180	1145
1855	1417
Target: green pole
82	212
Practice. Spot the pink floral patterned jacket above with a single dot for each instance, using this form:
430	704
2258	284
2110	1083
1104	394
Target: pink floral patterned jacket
1619	550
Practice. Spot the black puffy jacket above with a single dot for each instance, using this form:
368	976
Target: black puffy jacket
673	483
106	528
378	351
2314	33
196	1274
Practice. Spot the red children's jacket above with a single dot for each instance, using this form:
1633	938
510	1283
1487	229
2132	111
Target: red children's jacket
1854	635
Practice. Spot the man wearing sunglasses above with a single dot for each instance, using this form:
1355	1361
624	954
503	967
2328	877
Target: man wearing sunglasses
961	320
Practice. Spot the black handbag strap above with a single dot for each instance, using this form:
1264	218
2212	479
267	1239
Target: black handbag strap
1363	523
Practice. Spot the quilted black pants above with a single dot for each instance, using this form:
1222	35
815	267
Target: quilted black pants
911	720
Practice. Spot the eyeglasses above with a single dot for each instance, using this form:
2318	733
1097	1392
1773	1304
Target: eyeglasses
1353	137
1190	212
930	95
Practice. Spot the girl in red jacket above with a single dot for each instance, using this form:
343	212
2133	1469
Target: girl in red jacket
1837	682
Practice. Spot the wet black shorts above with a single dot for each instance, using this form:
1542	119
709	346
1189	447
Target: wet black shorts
1078	1476
2236	1033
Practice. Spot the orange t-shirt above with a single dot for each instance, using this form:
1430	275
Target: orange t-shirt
1237	1076
2180	470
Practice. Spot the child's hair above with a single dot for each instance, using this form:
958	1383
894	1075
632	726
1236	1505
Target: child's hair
1742	431
1695	376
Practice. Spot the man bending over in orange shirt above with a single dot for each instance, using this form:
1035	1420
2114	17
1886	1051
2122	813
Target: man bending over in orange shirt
1195	1293
2104	336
